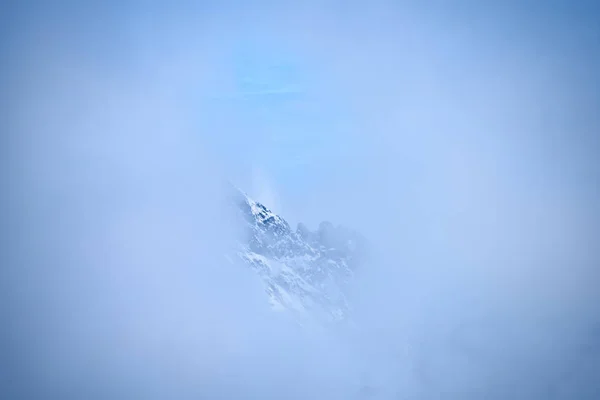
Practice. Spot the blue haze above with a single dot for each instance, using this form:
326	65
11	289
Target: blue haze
461	138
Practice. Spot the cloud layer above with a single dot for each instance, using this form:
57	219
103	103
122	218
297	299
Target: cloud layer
466	153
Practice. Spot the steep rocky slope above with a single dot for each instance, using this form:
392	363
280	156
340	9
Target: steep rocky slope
304	272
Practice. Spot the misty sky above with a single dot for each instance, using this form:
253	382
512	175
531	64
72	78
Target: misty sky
461	138
293	98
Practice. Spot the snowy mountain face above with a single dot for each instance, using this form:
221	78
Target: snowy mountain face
305	273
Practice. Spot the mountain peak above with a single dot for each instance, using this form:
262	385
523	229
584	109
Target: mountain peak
304	272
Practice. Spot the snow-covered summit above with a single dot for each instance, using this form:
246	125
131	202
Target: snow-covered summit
304	272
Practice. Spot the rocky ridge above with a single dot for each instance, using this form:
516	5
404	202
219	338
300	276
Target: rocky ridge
304	272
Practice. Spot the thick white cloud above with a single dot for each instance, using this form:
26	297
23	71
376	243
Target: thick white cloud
471	169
